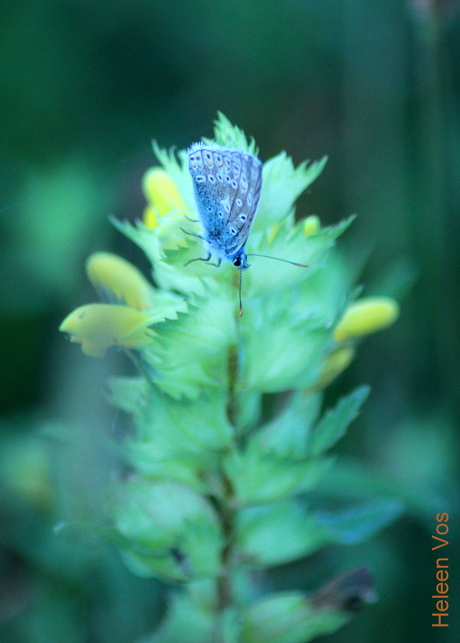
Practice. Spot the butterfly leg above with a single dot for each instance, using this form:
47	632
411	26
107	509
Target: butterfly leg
192	234
207	258
190	219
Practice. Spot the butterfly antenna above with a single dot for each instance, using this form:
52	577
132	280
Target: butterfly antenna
293	263
239	293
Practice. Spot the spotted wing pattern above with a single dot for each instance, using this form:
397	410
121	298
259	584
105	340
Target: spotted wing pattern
227	185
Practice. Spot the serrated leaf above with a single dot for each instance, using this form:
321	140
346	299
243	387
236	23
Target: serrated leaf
172	530
259	479
296	351
279	533
229	135
288	617
291	244
351	526
281	185
352	481
287	434
335	422
158	459
191	353
186	426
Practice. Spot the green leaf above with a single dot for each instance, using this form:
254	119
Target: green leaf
168	248
184	622
229	135
288	617
287	434
158	460
334	423
185	426
352	481
292	244
281	185
351	526
296	351
260	479
173	531
191	353
279	533
249	410
190	621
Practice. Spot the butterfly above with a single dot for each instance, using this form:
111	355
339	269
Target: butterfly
227	184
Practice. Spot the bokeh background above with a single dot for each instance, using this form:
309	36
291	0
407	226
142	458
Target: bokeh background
84	87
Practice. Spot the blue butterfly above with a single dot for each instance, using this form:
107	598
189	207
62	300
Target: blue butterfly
227	185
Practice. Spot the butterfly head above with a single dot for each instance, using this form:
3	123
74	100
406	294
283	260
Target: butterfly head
240	260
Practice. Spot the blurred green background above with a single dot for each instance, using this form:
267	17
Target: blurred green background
84	87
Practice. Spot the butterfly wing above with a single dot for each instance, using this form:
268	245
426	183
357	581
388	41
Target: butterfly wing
227	185
247	173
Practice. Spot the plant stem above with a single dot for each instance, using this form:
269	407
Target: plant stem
226	509
232	404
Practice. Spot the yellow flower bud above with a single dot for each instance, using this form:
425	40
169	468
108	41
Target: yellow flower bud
119	279
98	326
149	217
334	364
366	316
311	225
162	195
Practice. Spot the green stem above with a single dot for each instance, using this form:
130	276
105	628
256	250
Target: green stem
232	404
227	514
226	510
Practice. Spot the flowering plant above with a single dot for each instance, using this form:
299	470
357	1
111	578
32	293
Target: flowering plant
230	440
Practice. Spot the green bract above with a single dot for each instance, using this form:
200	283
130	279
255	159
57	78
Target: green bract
219	481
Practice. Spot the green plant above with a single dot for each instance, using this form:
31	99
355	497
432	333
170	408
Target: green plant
230	439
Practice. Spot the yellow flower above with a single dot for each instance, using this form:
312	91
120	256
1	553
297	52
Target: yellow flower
119	280
366	316
311	225
98	326
334	364
162	195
